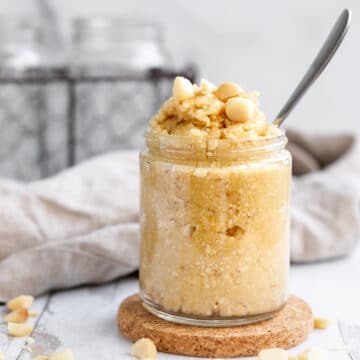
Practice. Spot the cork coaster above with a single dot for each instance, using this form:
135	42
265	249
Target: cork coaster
286	329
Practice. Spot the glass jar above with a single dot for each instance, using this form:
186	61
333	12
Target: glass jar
21	46
113	46
214	229
111	59
32	117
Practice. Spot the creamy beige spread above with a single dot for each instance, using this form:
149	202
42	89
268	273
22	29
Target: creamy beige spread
214	232
204	111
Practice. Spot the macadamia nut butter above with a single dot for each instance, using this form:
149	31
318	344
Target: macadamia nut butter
215	188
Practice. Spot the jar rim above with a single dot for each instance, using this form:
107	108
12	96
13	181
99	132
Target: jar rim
175	145
188	140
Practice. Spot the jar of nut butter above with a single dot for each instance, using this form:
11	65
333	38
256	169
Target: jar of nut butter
215	198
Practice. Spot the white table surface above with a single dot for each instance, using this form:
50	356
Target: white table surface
84	319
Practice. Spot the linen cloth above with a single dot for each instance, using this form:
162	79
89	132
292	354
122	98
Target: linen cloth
81	226
325	215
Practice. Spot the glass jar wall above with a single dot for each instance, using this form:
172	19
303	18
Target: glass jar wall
33	134
214	229
111	59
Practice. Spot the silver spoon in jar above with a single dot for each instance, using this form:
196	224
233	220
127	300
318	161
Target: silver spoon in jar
323	57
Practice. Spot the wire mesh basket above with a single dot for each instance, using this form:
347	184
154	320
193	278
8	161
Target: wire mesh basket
51	119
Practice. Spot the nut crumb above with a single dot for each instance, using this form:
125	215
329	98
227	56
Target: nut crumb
66	354
322	323
312	354
272	354
144	349
27	348
342	347
33	314
29	340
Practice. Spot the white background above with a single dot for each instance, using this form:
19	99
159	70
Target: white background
262	45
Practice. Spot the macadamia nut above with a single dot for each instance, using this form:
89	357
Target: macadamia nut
228	90
19	330
144	349
66	354
182	89
17	316
20	302
240	109
273	354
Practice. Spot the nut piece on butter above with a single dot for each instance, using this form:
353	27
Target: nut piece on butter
20	302
228	90
17	316
239	109
321	323
312	354
66	354
182	89
144	349
272	354
206	86
19	330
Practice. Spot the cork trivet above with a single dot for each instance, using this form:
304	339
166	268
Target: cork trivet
286	329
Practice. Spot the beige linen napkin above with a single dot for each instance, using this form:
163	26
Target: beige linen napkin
76	228
325	216
81	226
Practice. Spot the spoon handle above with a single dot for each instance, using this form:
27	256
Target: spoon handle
323	57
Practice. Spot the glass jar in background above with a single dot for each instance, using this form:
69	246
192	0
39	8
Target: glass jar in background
32	119
21	44
113	114
214	229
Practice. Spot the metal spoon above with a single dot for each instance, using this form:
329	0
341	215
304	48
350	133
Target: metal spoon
323	57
